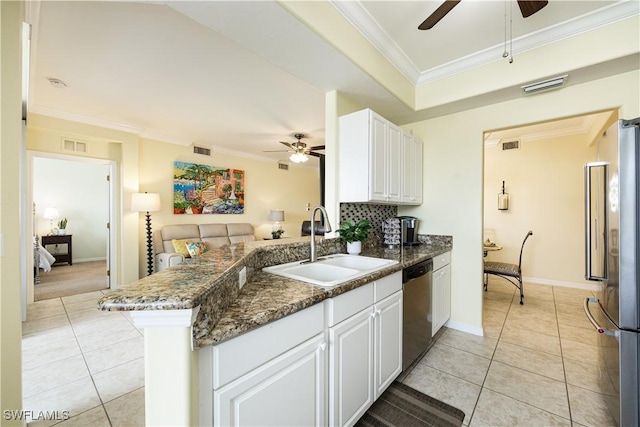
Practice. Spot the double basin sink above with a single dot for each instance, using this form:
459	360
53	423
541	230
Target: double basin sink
330	270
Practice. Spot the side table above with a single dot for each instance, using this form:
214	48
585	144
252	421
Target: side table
60	240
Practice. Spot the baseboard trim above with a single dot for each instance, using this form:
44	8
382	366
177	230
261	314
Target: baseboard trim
463	327
89	259
548	282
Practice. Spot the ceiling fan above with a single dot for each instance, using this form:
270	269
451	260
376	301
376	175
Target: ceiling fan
527	7
299	150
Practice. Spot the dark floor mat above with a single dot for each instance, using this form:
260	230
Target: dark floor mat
401	405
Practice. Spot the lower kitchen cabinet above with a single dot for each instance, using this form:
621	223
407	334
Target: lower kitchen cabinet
289	390
365	351
441	298
329	360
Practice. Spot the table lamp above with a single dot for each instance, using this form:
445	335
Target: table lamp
147	202
276	215
51	214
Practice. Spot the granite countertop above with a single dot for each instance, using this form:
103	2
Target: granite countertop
211	282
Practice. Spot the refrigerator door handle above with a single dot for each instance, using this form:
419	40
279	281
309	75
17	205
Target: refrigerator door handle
589	238
600	329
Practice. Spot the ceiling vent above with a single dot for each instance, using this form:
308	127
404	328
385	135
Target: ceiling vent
544	85
76	146
511	145
283	166
202	150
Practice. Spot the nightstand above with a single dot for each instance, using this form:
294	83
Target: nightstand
59	240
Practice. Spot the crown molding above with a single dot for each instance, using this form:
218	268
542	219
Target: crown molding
357	15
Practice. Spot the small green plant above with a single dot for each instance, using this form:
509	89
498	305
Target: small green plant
351	231
276	234
62	224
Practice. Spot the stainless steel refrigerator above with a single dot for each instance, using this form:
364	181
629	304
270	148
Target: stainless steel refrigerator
612	205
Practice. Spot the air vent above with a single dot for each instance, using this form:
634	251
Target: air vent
284	166
511	145
202	150
71	145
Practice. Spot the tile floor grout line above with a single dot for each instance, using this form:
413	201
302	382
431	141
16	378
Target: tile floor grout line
87	366
564	369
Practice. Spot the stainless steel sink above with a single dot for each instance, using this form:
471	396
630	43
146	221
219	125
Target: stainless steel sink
330	270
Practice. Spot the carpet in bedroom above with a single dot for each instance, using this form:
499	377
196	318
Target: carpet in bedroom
65	280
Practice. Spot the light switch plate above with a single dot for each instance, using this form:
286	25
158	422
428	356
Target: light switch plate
242	277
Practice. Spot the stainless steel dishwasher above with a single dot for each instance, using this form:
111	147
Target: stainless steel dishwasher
416	284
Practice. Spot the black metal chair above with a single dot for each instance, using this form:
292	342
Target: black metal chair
506	270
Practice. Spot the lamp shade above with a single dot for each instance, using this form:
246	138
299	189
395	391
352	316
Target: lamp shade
51	213
276	215
145	202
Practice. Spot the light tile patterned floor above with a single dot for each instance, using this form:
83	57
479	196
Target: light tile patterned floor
539	364
81	360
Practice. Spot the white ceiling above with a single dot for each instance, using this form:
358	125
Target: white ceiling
241	76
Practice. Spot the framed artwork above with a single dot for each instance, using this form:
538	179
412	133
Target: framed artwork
204	189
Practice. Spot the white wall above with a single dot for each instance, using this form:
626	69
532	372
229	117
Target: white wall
544	179
454	172
80	192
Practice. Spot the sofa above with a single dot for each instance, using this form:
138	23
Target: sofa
213	236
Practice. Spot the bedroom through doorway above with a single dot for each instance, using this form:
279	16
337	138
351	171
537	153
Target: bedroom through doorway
72	259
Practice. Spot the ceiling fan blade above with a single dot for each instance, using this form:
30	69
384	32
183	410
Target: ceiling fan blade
278	151
439	13
315	154
317	147
529	7
288	145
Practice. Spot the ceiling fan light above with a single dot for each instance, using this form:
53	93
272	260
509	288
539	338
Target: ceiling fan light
298	157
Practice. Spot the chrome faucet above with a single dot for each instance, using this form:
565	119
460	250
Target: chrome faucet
327	228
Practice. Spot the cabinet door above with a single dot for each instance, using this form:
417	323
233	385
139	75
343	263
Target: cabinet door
377	153
441	302
417	171
351	382
394	159
388	341
408	165
287	391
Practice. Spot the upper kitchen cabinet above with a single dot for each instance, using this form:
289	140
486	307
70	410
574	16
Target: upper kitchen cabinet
411	170
374	157
370	156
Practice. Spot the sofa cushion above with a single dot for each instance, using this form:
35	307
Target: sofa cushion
214	235
196	248
177	231
241	232
180	246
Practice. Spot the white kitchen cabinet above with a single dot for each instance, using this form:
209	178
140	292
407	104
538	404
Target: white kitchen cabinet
289	390
370	149
441	293
365	347
412	173
273	375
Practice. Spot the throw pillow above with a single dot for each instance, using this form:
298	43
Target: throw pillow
196	248
180	246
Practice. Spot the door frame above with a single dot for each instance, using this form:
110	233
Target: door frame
112	233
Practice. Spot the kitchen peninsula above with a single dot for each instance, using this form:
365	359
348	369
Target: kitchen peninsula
200	304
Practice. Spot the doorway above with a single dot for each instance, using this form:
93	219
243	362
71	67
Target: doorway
75	259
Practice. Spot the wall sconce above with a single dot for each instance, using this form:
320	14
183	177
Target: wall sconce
503	200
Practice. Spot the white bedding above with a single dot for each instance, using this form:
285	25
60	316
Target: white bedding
46	259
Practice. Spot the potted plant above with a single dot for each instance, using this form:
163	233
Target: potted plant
62	226
277	233
180	207
354	233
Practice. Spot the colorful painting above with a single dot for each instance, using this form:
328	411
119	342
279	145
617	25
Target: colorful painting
204	189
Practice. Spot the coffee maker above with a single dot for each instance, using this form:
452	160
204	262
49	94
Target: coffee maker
409	229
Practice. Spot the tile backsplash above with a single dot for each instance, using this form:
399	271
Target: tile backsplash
376	214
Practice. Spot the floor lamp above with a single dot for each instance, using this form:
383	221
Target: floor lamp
147	202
